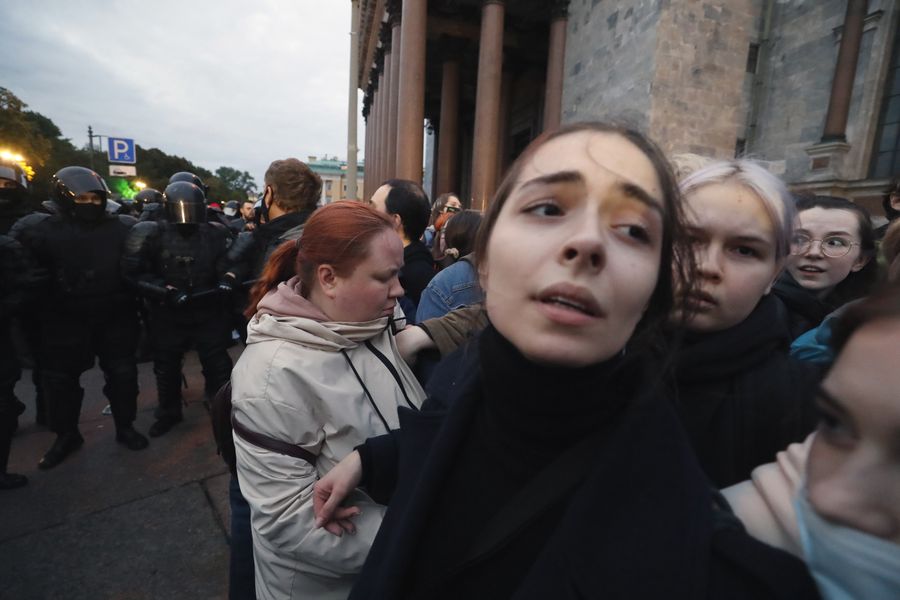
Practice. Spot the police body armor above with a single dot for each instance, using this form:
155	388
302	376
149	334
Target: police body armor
160	255
82	259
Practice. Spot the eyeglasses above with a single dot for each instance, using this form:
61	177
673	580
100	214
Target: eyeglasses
451	209
833	246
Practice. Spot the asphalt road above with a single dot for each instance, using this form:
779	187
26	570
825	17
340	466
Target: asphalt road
112	523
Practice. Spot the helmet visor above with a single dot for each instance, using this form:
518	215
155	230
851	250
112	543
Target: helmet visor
184	211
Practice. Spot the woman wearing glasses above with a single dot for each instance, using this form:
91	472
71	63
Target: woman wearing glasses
830	262
443	208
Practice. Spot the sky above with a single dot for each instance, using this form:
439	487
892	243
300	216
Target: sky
223	83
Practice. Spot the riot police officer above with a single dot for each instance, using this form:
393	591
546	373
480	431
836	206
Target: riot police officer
86	310
135	205
16	273
214	214
177	263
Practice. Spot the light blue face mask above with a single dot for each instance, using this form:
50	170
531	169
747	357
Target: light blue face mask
847	564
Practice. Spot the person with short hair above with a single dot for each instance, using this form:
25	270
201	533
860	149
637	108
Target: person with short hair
740	396
406	203
290	196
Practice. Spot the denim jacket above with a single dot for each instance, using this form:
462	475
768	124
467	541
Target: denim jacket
455	286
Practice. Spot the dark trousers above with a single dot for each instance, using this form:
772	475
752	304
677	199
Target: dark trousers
241	580
175	331
70	343
10	407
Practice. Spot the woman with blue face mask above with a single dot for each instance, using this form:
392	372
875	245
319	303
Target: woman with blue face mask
835	500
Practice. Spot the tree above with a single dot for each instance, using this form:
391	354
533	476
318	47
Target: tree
230	184
18	134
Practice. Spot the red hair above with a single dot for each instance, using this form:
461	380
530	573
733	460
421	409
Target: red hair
337	234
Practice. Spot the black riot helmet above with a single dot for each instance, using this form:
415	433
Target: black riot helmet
70	182
190	178
146	196
13	183
184	203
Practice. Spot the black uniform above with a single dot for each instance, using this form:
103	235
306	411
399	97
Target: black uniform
178	267
87	311
16	283
248	256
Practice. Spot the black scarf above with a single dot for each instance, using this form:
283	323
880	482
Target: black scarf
807	310
527	416
723	354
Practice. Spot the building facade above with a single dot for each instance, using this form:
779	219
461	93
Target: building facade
333	172
811	88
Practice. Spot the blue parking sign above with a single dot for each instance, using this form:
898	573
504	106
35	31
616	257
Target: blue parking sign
121	150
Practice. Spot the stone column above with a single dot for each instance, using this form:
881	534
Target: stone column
367	165
844	72
447	164
556	59
411	93
376	132
393	103
385	123
487	104
506	88
352	97
382	128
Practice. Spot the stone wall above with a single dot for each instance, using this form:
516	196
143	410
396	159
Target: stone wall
677	69
794	96
672	68
701	66
610	61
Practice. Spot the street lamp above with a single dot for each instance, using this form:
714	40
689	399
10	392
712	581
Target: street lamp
140	185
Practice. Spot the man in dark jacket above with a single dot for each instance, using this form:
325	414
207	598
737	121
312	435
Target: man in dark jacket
291	193
407	204
86	311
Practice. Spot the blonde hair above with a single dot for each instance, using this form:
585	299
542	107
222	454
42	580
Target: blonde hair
686	163
776	199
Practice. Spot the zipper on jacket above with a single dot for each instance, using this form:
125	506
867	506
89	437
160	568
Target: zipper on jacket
393	371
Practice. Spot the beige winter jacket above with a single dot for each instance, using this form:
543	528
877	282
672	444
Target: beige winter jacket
765	502
294	382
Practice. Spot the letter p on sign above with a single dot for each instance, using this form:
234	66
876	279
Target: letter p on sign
121	150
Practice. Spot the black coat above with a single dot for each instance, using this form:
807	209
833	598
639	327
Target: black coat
741	397
417	271
248	254
804	309
640	525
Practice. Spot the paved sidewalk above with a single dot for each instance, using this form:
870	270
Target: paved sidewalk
112	523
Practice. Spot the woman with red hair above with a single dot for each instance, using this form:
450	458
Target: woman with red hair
320	374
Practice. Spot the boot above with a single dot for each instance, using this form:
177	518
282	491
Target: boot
65	444
131	439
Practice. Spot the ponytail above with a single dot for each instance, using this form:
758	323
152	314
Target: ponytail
281	266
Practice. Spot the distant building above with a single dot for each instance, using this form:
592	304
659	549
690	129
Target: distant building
333	172
809	87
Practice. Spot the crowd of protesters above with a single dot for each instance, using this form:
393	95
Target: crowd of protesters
633	376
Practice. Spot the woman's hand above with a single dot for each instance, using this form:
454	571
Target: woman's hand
411	341
332	489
